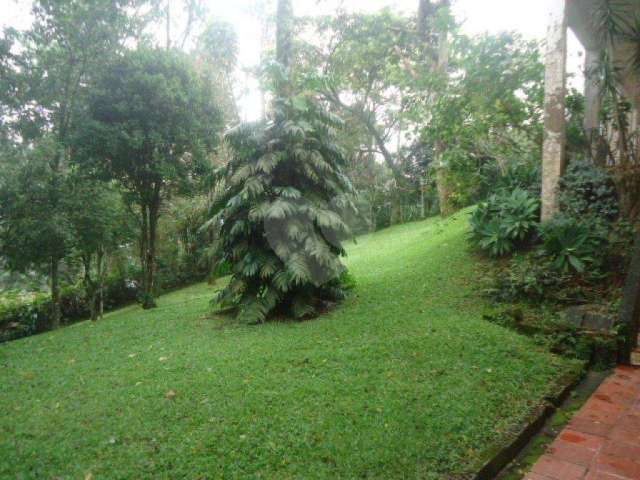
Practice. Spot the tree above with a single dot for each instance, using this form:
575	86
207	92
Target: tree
483	119
277	215
217	55
615	144
363	61
152	124
35	233
434	25
99	226
47	69
284	35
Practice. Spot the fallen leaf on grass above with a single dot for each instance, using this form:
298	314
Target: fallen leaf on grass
170	395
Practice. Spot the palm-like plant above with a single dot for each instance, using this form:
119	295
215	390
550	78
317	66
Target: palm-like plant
618	146
277	215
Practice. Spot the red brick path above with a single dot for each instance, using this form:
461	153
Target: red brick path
602	442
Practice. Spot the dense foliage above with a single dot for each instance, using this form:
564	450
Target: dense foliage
578	256
151	123
21	317
587	190
506	221
279	226
64	221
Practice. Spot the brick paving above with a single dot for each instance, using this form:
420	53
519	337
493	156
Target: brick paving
602	442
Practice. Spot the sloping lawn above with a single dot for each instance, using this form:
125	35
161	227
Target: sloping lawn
404	380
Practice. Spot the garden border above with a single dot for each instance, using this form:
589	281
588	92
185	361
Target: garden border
492	468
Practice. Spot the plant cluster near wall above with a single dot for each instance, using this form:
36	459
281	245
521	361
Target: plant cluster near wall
576	258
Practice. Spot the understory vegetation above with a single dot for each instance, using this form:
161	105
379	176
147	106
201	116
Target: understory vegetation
562	279
542	272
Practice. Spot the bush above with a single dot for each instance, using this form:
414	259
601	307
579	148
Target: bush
119	291
587	191
523	174
573	245
221	269
530	277
505	221
21	318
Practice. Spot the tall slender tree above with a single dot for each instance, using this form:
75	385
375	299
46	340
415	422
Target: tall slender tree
217	56
284	34
433	33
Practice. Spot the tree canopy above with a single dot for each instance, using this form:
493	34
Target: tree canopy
151	123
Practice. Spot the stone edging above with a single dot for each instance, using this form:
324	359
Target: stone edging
506	455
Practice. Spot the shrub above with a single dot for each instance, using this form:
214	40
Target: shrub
530	277
588	191
221	269
119	291
21	318
572	245
524	174
505	221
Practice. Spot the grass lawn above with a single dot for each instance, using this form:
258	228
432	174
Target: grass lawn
404	380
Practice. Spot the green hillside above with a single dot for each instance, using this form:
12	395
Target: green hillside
403	380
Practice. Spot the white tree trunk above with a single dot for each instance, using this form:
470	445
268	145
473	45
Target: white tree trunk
555	137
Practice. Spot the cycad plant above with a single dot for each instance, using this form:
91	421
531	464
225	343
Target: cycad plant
278	219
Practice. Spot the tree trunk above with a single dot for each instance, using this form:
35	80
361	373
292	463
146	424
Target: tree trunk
593	102
426	12
150	260
149	301
284	45
284	33
445	193
100	271
555	128
168	24
144	236
89	287
396	207
372	214
422	210
55	293
381	144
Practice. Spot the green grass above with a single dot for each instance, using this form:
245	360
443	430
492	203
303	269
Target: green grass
403	380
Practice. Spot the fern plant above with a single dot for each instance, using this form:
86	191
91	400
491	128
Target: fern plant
277	214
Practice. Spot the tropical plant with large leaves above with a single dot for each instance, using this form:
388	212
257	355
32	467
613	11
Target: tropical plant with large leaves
278	219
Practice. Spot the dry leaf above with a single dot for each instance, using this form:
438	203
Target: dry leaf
170	395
